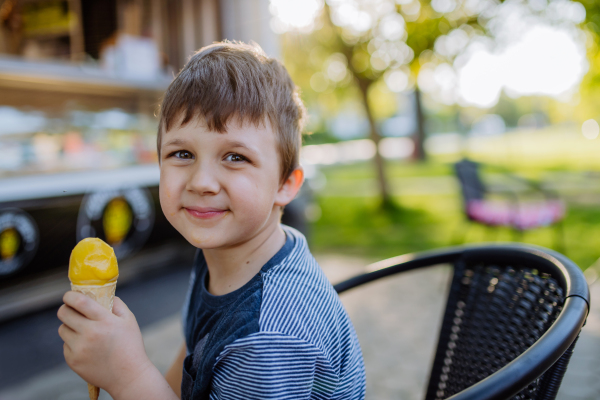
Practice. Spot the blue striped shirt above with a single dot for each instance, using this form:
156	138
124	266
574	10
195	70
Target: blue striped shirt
283	335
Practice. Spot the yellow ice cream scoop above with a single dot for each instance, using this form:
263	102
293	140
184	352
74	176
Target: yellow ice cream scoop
93	262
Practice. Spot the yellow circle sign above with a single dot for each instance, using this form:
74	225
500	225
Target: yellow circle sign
10	240
117	220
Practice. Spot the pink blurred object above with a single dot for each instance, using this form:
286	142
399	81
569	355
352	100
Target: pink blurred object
521	216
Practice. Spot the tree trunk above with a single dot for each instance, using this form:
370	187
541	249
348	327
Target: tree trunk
419	136
376	138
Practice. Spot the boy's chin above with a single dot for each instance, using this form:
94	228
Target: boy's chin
210	240
205	242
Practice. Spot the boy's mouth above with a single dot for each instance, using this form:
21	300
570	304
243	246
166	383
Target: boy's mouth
204	212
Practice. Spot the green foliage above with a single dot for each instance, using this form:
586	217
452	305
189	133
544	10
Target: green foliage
356	225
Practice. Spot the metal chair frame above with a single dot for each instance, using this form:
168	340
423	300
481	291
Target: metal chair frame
547	350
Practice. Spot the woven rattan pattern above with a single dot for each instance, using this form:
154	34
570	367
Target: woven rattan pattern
498	312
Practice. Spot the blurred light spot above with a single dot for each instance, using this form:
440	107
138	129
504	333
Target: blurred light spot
480	80
546	61
392	26
399	125
412	10
478	6
113	119
396	148
444	76
350	123
294	14
13	156
445	143
540	60
488	125
336	67
312	212
565	9
451	44
315	178
347	14
443	6
538	5
426	78
17	122
375	44
343	152
46	149
380	60
396	80
590	129
363	22
319	82
532	121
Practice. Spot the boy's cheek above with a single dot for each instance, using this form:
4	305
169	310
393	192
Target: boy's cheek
167	195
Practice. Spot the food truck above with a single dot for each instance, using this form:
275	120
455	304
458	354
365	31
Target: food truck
80	83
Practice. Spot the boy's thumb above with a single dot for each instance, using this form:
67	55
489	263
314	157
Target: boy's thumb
119	308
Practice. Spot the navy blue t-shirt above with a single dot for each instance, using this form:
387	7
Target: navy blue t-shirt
284	334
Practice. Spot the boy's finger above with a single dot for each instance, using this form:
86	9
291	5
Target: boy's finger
66	334
84	305
70	318
120	309
66	351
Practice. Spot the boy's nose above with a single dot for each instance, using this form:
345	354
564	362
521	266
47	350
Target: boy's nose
204	181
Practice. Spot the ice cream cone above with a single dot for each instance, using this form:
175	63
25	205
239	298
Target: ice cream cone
104	295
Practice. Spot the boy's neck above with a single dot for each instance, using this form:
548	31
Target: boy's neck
230	269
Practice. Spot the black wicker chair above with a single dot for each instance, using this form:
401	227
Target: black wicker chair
512	318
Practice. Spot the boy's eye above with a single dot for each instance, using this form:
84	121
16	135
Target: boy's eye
182	154
235	158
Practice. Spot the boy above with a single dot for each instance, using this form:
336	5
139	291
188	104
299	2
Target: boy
261	321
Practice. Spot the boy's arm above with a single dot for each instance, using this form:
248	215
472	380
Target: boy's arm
174	374
106	349
273	366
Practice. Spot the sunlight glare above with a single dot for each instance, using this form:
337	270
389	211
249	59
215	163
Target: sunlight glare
294	14
545	61
480	80
590	129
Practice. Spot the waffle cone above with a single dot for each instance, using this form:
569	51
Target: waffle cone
104	295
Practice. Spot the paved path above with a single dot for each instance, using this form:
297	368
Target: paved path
397	338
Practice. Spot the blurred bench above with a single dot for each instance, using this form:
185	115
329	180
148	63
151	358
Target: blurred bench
512	210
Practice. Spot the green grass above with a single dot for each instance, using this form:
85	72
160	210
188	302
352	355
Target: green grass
355	224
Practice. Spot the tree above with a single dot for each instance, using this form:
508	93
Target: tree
380	40
400	43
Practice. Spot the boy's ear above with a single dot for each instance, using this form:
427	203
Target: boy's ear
290	188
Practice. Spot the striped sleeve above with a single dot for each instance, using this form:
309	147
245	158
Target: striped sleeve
270	365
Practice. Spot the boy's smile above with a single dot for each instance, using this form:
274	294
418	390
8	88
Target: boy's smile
205	212
221	189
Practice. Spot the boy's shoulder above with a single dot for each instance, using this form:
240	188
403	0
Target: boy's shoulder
297	298
296	277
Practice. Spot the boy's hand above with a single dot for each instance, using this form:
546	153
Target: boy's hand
104	348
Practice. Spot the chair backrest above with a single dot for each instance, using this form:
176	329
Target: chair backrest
495	312
472	187
513	311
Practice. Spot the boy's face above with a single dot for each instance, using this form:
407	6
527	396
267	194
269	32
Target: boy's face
220	189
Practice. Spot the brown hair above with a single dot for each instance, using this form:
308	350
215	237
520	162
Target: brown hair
235	80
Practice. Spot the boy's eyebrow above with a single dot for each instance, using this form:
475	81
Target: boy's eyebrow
235	143
183	142
176	142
